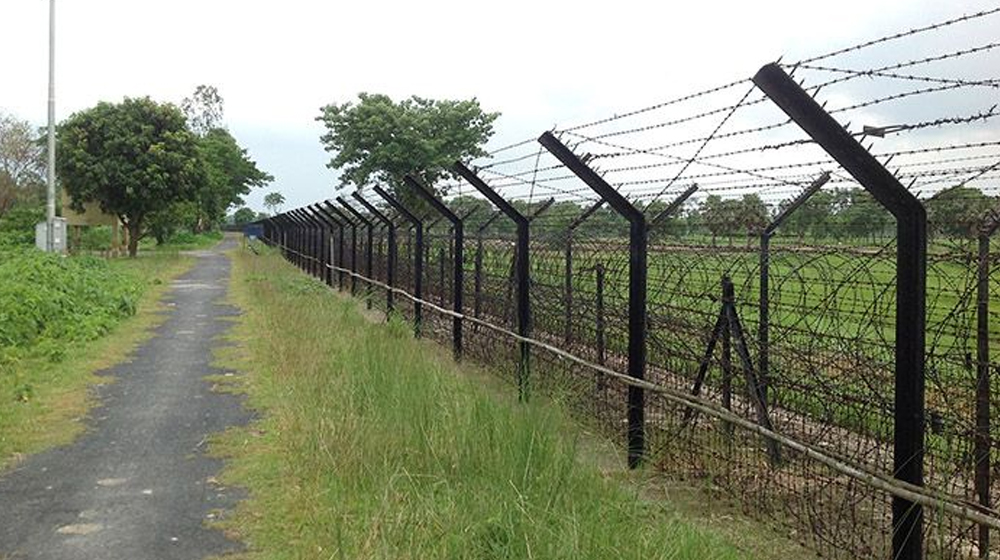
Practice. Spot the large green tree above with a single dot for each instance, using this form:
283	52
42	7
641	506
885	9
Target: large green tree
378	140
133	158
959	211
244	215
229	175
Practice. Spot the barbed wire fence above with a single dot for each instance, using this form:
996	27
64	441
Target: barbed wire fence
780	286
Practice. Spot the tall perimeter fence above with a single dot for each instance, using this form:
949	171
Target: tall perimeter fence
783	285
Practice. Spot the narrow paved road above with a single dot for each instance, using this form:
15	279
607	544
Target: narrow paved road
137	485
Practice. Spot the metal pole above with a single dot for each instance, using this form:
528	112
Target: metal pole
568	272
983	441
391	258
638	245
911	285
425	193
344	219
370	226
764	303
599	323
50	202
522	270
418	259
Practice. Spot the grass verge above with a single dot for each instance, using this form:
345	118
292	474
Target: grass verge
59	396
374	445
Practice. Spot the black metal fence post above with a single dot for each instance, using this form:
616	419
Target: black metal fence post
322	225
317	245
984	397
522	275
316	248
300	238
459	272
336	249
638	241
347	223
911	283
390	264
370	227
477	290
418	262
764	302
297	243
332	225
568	271
291	254
599	324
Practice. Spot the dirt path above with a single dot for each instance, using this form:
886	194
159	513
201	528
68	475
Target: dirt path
137	485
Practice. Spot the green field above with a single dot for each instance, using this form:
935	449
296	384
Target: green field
832	317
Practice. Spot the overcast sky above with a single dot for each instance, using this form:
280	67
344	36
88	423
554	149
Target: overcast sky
539	63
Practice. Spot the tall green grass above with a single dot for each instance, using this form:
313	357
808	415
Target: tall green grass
373	445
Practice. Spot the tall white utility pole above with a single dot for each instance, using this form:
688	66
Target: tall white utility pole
50	240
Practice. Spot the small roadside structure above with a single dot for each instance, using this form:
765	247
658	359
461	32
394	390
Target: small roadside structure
93	217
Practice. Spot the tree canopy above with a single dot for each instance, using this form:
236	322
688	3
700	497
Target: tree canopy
244	215
230	174
959	211
22	162
380	140
273	201
204	110
133	158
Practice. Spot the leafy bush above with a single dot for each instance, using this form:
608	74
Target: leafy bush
95	238
17	228
47	300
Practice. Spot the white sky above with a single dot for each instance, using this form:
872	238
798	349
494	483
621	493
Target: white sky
539	63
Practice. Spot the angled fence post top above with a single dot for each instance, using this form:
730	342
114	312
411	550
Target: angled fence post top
490	194
674	205
425	193
812	189
589	176
578	221
433	223
371	208
354	212
334	220
318	217
340	214
468	214
493	217
398	206
317	211
542	208
838	142
991	223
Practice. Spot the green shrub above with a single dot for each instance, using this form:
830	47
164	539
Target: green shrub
17	228
95	238
47	300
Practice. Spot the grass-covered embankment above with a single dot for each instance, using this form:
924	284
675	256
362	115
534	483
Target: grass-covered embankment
374	445
61	320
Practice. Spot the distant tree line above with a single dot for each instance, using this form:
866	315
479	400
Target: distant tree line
835	215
